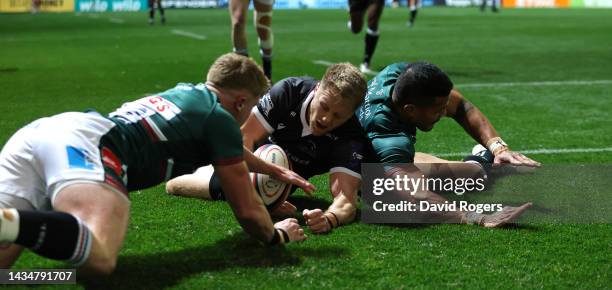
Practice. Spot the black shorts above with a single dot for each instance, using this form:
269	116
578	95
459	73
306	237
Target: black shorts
362	5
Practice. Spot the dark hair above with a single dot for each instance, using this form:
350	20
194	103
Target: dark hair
421	84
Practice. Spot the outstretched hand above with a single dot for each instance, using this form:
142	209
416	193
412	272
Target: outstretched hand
288	176
515	158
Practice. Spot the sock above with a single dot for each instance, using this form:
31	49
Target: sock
161	11
267	65
413	13
52	234
215	189
241	51
151	13
371	39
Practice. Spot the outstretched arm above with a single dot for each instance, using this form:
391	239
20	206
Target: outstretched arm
248	207
478	126
344	188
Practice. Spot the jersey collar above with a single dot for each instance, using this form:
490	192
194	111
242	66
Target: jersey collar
305	128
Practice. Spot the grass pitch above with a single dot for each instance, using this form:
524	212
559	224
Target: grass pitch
558	64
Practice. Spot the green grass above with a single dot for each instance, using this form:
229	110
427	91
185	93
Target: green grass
51	63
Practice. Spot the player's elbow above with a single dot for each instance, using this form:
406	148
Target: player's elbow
172	187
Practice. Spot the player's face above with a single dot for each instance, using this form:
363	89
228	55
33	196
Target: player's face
328	111
425	117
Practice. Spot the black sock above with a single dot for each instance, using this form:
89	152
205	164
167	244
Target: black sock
413	14
370	45
267	65
151	13
161	11
215	189
53	234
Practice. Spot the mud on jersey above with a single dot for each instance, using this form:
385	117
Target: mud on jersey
173	133
282	112
392	141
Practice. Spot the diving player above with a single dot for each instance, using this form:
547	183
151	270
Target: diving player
313	122
405	97
64	179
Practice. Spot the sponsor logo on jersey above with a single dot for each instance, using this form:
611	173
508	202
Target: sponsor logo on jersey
135	111
267	104
79	158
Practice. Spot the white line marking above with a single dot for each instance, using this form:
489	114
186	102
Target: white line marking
511	84
116	20
544	83
322	62
328	63
539	151
188	34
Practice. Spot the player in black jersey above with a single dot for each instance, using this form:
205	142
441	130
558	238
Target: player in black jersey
314	123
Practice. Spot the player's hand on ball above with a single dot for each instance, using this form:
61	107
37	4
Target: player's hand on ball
515	158
288	176
285	210
292	228
316	221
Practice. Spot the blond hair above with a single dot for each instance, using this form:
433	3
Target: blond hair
236	72
345	80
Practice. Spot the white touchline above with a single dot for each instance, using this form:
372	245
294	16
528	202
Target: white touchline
539	151
188	34
544	83
511	84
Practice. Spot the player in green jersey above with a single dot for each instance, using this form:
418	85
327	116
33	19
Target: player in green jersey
405	97
64	179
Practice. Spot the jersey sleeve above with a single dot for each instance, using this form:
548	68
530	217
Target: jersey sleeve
347	155
223	138
274	105
393	149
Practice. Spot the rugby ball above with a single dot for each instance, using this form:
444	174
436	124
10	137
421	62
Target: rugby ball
272	192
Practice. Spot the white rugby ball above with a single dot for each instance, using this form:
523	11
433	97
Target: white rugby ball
272	192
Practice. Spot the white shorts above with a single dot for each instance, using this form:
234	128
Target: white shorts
50	153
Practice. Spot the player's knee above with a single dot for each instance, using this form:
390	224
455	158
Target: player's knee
239	20
102	266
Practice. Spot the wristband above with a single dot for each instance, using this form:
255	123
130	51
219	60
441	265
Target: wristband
276	239
284	236
333	225
496	145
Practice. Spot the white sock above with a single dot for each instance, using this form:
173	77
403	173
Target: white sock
9	225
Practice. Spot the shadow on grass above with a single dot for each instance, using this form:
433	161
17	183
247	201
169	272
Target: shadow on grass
166	269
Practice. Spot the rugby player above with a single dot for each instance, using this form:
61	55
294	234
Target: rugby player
405	97
263	23
64	179
314	123
357	10
414	8
152	11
